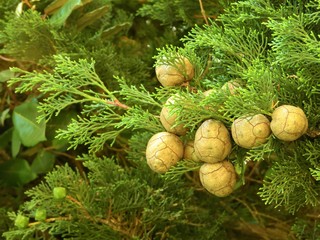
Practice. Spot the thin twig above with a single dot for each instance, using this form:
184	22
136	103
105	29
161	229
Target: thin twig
48	220
252	212
203	12
117	103
26	2
111	222
7	59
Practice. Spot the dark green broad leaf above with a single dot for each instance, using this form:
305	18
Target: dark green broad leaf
30	131
5	138
43	162
15	143
16	172
6	75
60	16
5	114
59	122
91	17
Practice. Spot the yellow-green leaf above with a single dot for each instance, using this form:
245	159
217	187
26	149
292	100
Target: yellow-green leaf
115	29
92	16
54	6
60	16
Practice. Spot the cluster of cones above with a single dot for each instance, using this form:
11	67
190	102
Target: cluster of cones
212	142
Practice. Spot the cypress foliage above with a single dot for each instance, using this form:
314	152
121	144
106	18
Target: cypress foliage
92	64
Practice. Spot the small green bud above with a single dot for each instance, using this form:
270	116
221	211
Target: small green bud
238	167
21	221
41	214
59	192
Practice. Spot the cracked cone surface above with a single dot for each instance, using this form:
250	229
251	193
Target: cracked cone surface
212	141
288	123
252	131
164	150
218	178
